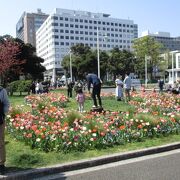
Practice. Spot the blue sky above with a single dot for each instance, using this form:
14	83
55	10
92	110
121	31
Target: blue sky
155	15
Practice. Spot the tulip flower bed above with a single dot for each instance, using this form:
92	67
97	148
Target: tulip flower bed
49	127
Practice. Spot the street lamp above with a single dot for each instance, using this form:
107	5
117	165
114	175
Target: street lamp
98	60
70	62
146	78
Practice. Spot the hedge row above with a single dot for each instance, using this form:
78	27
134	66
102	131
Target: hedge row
19	86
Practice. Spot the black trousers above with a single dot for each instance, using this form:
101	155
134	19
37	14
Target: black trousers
96	91
69	92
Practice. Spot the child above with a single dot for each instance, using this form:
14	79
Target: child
80	99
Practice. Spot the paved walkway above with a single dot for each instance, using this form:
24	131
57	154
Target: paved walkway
40	172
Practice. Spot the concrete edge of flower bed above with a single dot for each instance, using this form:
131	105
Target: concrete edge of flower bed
40	172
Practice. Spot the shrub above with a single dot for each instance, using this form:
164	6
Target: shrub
19	86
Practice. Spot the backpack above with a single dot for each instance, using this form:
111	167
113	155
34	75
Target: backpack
2	115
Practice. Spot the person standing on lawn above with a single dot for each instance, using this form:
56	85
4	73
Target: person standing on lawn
119	89
93	80
80	99
127	87
4	107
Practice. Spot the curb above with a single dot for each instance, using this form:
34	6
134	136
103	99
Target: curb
75	165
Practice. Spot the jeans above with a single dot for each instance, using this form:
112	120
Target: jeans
2	144
96	91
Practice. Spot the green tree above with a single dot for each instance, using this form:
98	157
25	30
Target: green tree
120	62
146	46
32	68
85	60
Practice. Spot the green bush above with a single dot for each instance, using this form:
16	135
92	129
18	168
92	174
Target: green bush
109	83
19	86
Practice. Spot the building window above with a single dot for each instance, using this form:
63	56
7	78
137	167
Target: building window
66	19
81	20
55	30
72	37
61	24
61	18
72	25
61	37
55	17
76	26
66	31
67	37
66	25
71	31
54	24
61	31
56	43
77	38
76	20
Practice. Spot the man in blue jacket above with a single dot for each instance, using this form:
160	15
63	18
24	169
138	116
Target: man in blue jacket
93	80
4	107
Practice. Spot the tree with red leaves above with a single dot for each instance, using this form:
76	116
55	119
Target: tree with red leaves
9	50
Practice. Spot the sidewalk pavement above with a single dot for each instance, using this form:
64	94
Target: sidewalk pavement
75	165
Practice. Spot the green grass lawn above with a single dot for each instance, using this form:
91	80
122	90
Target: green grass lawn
20	156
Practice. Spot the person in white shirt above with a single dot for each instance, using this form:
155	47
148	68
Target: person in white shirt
127	87
119	89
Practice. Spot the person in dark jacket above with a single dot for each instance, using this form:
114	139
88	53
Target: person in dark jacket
93	80
4	107
69	89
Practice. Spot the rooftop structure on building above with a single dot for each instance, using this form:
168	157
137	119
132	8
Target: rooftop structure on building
169	43
65	28
28	24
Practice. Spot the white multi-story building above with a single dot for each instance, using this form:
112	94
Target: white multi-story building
65	28
169	43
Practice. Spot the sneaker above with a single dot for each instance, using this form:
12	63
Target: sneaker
2	169
93	106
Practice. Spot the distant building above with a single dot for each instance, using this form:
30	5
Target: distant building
174	72
28	24
169	43
65	28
